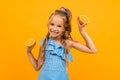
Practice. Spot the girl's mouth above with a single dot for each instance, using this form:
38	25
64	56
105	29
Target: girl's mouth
54	32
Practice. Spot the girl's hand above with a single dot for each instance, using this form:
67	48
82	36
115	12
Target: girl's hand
29	49
81	26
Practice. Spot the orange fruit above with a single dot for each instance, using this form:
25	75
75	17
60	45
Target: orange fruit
30	42
83	19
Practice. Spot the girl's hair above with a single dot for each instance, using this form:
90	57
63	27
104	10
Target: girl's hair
67	16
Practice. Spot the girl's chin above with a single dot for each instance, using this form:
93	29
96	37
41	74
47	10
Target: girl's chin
54	36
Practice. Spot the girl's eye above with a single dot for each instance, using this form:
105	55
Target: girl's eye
52	24
59	26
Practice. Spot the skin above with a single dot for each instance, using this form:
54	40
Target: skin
56	29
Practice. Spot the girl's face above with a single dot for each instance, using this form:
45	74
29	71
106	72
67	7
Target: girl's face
56	26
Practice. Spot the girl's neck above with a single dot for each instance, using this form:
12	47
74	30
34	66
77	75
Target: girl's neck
56	39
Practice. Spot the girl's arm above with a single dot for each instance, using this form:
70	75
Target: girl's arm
37	64
89	47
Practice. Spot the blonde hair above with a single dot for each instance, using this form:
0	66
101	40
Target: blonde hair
63	12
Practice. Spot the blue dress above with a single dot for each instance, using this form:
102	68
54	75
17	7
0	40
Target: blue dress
54	66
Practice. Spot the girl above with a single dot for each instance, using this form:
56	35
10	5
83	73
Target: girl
54	52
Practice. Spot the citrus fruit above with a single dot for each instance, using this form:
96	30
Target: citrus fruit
30	42
83	19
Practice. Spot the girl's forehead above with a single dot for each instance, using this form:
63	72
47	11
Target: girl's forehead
56	18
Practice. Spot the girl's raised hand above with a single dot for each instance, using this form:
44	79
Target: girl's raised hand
81	26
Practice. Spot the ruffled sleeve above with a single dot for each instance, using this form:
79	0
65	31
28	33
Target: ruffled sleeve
41	42
70	58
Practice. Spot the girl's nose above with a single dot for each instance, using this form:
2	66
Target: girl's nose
55	28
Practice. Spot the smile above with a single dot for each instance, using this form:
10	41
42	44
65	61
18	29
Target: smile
54	32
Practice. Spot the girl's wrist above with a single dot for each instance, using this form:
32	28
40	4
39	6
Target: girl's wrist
82	31
28	51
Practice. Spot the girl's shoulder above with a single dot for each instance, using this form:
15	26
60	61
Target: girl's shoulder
69	43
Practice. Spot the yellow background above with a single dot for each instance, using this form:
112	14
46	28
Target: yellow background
22	19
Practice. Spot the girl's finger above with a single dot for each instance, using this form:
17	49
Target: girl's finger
84	24
78	21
